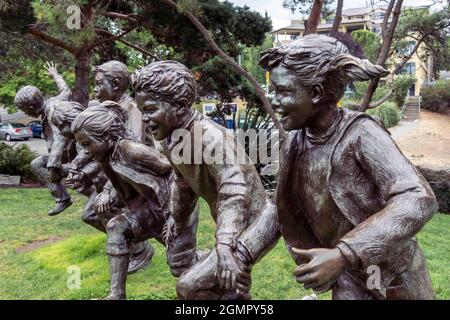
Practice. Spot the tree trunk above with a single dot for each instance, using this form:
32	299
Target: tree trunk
314	17
233	64
82	71
383	55
337	18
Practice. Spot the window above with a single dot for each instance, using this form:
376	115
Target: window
406	49
379	16
409	68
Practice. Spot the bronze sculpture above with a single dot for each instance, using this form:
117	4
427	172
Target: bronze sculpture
347	198
139	180
112	80
85	174
49	168
246	219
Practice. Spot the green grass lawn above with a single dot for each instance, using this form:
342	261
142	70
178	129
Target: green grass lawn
41	272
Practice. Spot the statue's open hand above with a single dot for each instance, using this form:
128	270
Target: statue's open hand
75	179
103	203
322	270
53	175
51	68
229	274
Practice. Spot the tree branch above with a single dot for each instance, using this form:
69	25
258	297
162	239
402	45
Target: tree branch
314	17
337	18
116	15
111	37
241	71
52	40
406	58
382	100
129	44
387	15
139	49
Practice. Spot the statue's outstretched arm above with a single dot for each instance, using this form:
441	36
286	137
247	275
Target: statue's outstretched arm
63	88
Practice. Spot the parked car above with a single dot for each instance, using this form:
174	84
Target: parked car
10	131
36	126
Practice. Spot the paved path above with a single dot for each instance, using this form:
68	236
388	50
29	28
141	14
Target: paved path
426	141
35	144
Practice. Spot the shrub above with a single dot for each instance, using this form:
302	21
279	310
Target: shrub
388	113
361	88
402	85
436	97
16	160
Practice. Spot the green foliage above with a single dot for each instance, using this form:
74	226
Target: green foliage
31	72
401	86
370	42
41	272
388	113
16	160
192	6
430	27
361	88
436	97
251	56
53	13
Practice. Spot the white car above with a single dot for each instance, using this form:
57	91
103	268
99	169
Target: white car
10	131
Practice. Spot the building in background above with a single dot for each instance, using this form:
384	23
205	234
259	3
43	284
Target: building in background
420	65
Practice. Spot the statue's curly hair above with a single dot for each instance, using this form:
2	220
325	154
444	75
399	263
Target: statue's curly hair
322	60
101	121
115	70
169	81
28	96
66	111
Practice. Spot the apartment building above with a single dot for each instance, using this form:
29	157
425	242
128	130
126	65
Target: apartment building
420	65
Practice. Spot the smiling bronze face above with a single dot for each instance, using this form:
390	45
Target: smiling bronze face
160	116
292	100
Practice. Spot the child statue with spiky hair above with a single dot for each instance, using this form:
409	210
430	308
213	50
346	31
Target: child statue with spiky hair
49	168
112	80
246	221
349	202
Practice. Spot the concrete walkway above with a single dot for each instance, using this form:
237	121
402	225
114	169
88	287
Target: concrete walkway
426	141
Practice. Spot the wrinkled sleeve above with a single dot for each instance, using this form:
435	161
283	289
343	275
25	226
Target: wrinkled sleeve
57	149
233	192
410	202
63	88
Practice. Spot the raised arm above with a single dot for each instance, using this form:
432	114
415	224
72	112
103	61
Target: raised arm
63	88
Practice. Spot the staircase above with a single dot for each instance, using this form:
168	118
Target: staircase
411	109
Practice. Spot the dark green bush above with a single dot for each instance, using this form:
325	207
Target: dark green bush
402	85
16	160
388	113
361	88
436	97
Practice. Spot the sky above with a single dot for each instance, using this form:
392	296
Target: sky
282	17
